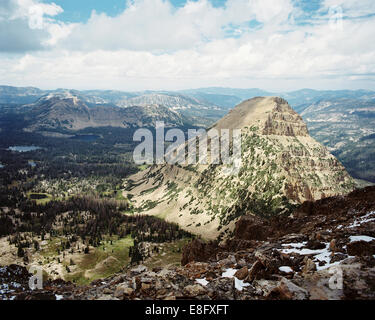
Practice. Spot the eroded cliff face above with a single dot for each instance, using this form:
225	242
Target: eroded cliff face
282	166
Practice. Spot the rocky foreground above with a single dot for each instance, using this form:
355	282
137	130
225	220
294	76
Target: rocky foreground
303	256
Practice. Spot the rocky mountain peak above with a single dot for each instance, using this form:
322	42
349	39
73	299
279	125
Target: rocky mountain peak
281	167
267	115
67	96
172	101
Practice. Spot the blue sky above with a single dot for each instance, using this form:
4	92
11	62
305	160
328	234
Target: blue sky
80	10
176	44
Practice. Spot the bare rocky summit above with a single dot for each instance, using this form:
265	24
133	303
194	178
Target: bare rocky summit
282	166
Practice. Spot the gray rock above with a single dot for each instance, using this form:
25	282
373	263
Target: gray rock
194	290
138	270
287	289
122	289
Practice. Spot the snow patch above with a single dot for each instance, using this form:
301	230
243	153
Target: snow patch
229	273
295	245
239	284
286	269
302	251
361	238
203	281
319	255
369	217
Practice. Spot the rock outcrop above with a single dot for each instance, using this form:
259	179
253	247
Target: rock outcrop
197	250
281	167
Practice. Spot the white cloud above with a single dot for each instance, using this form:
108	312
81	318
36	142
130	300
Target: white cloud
157	46
269	11
35	12
148	25
156	25
352	8
27	25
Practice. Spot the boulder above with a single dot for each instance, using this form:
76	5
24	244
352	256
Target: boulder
146	286
123	290
269	259
107	291
228	262
128	291
309	266
138	270
194	290
287	290
242	273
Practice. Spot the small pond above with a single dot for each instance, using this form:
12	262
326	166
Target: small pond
23	148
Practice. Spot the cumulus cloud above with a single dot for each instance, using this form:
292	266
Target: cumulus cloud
26	25
157	25
149	25
154	45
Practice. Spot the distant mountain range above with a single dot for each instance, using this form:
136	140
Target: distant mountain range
347	127
193	111
343	120
218	97
72	112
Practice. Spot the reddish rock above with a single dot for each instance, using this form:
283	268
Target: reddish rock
332	245
252	228
198	251
362	199
242	273
287	290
